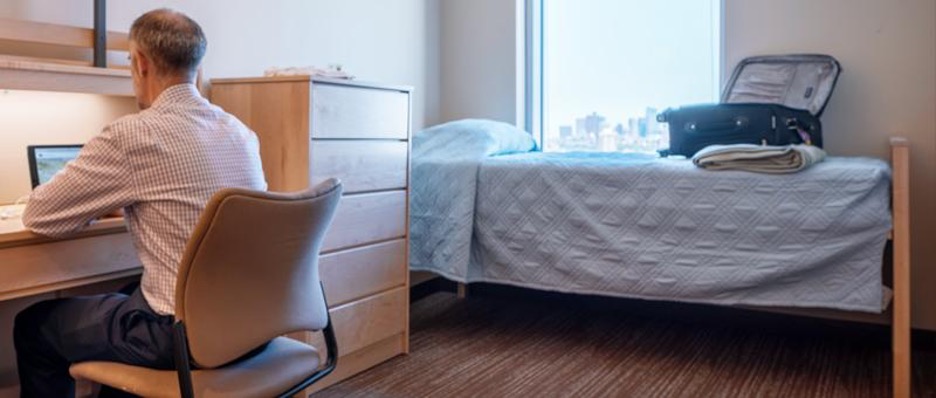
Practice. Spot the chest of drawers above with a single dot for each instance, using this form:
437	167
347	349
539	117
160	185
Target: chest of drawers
312	129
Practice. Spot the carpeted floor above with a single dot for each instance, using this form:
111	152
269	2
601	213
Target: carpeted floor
544	345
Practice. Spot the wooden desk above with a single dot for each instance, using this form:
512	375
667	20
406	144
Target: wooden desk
34	267
31	264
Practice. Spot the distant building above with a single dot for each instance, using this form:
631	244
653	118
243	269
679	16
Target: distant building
590	125
565	131
607	140
633	126
580	127
653	127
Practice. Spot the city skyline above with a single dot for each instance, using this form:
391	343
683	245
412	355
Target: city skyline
617	58
595	132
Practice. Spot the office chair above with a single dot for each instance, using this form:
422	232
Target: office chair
249	274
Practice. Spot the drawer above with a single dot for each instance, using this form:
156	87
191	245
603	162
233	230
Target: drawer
351	274
353	363
32	269
358	112
366	218
361	323
361	165
364	322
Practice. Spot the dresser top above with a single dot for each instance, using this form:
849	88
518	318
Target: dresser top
307	78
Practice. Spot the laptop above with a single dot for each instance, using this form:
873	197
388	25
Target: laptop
46	160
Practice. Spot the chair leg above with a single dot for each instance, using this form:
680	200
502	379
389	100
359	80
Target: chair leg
182	361
331	345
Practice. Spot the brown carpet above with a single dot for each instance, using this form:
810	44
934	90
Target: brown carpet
568	346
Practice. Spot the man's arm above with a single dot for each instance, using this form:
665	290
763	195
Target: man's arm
96	183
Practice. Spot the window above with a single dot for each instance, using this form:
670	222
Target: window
599	71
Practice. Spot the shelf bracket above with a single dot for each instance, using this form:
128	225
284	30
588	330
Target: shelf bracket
100	34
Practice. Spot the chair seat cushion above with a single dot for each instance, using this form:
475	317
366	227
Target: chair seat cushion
284	363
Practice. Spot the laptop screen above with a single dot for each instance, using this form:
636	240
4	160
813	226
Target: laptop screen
46	160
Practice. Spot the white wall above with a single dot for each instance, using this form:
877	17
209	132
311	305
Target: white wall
888	53
385	41
395	42
887	48
482	75
45	118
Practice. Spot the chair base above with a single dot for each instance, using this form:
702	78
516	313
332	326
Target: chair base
284	362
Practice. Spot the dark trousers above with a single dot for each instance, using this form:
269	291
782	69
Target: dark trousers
51	335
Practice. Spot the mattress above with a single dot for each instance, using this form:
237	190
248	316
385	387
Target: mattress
638	226
634	225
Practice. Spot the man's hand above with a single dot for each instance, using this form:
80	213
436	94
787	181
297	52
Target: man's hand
115	214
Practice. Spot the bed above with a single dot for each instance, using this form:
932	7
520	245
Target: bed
487	207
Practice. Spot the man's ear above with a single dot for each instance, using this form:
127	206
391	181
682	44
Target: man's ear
142	63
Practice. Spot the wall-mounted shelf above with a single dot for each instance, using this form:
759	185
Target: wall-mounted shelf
21	74
73	75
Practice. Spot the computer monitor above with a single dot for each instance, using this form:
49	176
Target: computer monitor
46	160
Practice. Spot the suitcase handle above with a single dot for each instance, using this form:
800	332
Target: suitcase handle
728	125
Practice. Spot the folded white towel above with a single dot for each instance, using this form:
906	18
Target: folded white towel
333	72
758	158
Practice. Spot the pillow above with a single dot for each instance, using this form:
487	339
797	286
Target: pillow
471	139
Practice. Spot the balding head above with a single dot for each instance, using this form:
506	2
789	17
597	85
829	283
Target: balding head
173	41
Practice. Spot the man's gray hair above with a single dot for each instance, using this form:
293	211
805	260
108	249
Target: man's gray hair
174	42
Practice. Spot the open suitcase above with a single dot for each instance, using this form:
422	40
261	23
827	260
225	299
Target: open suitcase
769	100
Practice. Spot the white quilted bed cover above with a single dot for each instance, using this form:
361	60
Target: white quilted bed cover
638	226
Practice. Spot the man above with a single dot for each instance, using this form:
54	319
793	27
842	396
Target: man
160	166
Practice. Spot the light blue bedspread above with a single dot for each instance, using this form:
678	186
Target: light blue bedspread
445	174
638	226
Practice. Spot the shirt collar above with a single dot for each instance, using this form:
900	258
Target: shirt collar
184	92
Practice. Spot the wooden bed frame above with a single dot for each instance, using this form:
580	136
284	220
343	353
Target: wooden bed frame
900	241
900	245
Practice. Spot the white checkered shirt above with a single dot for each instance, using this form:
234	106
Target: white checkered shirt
161	166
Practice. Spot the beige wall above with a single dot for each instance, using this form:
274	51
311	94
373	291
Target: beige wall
888	54
482	63
384	41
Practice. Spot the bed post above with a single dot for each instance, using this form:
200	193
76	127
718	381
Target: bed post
900	328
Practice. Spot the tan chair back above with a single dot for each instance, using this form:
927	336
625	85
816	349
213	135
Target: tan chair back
250	270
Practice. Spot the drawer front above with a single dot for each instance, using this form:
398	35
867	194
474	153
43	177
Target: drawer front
364	322
351	274
358	112
26	269
361	323
361	165
366	218
350	364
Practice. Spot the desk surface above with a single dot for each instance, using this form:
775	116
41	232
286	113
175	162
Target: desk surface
13	233
32	264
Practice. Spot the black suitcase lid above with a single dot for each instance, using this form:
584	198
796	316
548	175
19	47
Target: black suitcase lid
800	81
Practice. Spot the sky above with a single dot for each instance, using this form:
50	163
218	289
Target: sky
617	57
